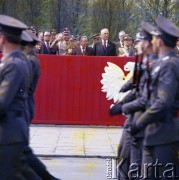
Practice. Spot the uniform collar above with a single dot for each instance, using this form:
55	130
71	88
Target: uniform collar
7	55
167	55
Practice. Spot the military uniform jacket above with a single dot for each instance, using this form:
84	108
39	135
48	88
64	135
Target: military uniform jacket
158	119
138	106
14	82
34	81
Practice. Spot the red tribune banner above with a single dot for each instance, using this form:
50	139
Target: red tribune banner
70	90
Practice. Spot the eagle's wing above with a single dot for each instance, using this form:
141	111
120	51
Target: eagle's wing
112	80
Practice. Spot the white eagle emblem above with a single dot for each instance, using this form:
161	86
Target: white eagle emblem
114	78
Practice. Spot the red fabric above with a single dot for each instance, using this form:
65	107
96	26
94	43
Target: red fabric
69	91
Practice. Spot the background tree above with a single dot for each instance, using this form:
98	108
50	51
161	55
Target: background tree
86	17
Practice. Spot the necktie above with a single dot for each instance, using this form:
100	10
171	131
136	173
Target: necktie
48	47
83	51
104	44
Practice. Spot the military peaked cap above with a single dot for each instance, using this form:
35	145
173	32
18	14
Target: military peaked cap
167	26
25	36
127	36
166	30
95	36
139	36
146	29
10	25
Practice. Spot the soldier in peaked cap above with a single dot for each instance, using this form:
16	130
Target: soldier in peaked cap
14	85
127	49
95	38
29	44
136	107
161	139
130	148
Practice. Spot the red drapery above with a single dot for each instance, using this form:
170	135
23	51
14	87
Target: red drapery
69	91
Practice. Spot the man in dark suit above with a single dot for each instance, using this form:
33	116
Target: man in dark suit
45	45
83	49
161	139
14	84
104	47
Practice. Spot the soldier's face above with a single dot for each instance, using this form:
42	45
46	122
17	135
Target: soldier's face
155	44
177	43
138	47
145	45
66	37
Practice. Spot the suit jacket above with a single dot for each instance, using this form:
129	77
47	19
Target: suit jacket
159	118
44	49
14	84
100	51
88	51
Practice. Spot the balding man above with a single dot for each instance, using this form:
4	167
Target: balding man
104	47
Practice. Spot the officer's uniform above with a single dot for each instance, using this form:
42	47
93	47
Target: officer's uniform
33	161
14	84
123	152
161	134
137	107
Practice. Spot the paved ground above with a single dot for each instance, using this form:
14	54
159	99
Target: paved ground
74	141
77	168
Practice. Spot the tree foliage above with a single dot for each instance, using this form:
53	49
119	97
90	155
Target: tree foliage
90	16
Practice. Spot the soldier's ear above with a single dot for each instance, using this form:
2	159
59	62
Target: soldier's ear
147	43
160	42
2	39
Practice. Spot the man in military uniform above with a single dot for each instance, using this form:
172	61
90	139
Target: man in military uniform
137	107
95	38
14	85
129	149
161	139
29	45
63	46
127	49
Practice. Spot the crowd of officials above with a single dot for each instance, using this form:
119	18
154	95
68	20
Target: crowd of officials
150	141
64	43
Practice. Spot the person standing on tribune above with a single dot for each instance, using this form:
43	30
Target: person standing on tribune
104	47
